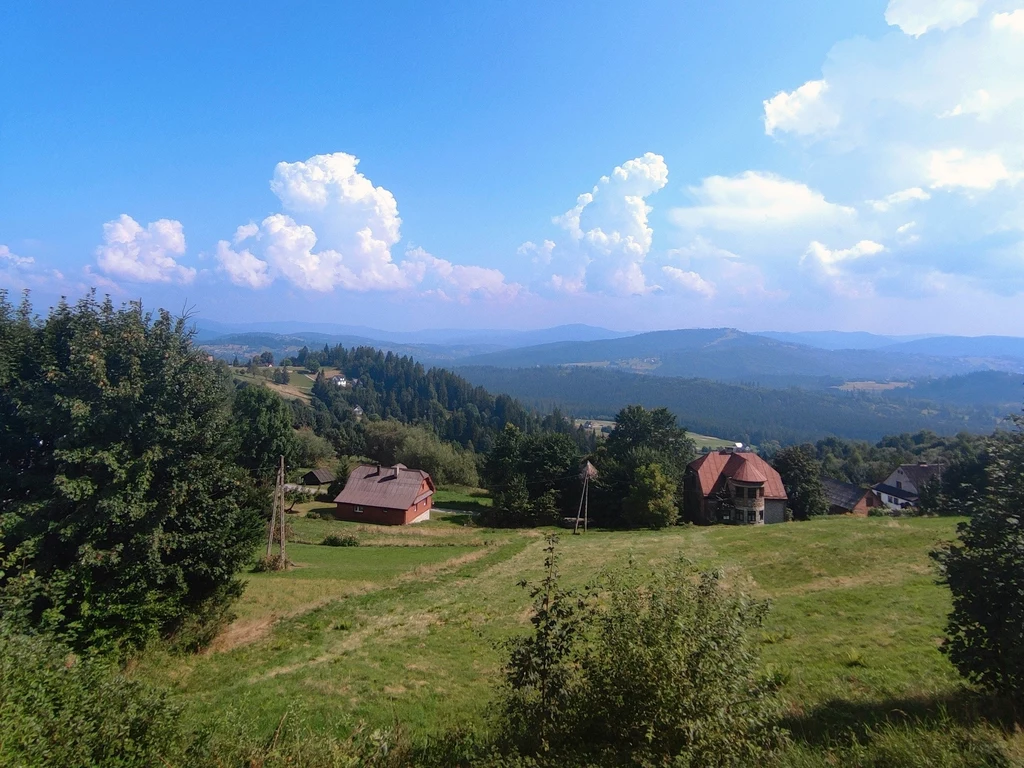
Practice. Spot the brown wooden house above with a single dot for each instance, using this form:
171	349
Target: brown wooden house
386	495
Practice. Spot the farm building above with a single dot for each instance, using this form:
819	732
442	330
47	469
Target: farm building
386	495
733	487
902	488
847	498
318	477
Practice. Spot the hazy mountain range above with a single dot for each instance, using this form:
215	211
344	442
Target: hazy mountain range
739	385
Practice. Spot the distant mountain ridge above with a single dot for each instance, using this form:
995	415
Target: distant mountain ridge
726	354
209	330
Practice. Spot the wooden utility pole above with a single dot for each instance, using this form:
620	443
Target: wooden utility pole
587	473
277	520
280	494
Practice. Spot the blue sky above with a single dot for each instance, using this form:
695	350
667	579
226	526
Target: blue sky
850	165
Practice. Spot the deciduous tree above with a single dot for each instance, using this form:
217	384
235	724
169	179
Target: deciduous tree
984	569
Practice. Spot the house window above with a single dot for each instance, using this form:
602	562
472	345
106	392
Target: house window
752	493
739	493
899	484
760	515
726	515
358	510
751	516
760	493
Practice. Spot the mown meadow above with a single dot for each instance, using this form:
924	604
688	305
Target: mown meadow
403	634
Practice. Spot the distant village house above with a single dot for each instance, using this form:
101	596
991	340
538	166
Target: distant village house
386	495
848	499
736	488
902	489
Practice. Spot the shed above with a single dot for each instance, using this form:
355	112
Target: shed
318	477
847	498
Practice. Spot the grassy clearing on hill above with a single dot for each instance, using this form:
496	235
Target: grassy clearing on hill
701	441
407	627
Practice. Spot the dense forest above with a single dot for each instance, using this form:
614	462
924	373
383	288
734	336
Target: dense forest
735	412
434	405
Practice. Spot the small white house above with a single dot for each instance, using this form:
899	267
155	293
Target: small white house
339	381
902	488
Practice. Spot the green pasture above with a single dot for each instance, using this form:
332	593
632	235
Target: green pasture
407	627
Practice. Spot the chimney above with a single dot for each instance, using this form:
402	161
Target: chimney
378	470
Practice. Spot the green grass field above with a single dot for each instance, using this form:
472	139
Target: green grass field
407	628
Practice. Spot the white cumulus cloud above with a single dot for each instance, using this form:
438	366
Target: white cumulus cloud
144	254
11	260
1012	22
457	281
337	231
756	200
242	268
690	281
607	234
831	268
804	111
899	198
957	168
916	17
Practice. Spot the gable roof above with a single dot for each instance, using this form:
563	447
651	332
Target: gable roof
919	474
713	469
903	494
396	487
840	494
321	476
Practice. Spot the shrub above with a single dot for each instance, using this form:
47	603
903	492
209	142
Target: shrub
60	710
312	515
664	669
335	540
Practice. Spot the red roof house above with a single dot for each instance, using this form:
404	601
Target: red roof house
733	487
386	495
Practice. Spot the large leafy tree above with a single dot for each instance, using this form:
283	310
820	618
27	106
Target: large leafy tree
533	478
123	516
641	439
801	476
651	501
262	427
985	573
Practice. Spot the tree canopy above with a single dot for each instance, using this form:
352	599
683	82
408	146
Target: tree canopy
984	569
123	516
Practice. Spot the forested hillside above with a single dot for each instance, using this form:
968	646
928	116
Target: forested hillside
391	386
735	412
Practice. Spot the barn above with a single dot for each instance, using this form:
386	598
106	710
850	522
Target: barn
386	495
847	498
318	477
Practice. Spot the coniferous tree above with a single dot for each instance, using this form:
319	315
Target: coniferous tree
122	514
